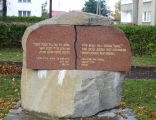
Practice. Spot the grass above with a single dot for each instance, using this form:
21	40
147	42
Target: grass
10	54
139	95
143	61
9	93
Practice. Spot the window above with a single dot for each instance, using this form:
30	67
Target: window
24	1
24	13
126	16
147	0
146	16
20	13
28	13
0	13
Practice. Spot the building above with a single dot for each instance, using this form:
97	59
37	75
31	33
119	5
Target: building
23	7
1	7
129	11
142	12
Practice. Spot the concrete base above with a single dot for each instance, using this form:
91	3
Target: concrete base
114	114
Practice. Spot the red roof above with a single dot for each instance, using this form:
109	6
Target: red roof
58	13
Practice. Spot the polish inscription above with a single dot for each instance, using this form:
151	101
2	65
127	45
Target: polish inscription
99	50
102	48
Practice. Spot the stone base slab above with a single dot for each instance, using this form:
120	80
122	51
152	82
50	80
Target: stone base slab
114	114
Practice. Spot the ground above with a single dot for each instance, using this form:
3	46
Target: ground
8	54
139	95
9	93
143	61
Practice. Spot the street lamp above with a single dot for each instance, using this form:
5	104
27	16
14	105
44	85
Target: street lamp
98	11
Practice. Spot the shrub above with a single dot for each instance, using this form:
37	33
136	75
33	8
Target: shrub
10	19
11	34
142	39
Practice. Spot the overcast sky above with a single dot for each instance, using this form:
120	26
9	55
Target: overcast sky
67	5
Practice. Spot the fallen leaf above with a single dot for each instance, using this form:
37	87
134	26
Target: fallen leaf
123	105
2	100
2	107
152	114
13	79
1	116
16	90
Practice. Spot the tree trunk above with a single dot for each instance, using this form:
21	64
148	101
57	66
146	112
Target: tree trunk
4	8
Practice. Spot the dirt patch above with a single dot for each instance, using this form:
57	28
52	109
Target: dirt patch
10	69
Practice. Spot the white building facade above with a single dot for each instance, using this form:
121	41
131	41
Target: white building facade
147	12
126	12
24	8
142	12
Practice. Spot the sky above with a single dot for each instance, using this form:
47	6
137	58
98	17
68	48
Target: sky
67	5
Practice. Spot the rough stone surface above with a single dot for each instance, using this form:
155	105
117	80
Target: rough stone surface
81	93
79	18
69	93
115	114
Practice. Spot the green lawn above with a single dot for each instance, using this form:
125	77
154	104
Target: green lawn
139	95
9	93
143	61
10	54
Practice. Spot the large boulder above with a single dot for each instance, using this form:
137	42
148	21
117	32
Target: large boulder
70	93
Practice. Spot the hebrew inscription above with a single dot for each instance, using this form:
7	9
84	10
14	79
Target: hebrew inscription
49	50
51	47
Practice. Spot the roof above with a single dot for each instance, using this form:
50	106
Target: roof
58	13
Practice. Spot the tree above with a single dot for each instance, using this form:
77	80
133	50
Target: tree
44	10
91	7
4	10
117	12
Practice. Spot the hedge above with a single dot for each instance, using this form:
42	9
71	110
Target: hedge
142	38
11	19
11	34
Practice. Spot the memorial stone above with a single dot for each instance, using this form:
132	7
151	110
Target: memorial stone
73	65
